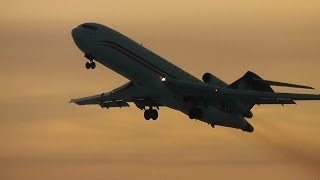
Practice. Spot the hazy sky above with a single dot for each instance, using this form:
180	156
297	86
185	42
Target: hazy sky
44	137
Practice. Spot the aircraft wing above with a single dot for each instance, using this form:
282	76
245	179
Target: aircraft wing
199	90
118	97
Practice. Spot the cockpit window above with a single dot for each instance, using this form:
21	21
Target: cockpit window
87	26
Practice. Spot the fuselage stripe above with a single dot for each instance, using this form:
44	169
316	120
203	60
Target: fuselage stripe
136	58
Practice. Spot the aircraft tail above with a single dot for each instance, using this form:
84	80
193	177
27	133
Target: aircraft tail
247	82
251	81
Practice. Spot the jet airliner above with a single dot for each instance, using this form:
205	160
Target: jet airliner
153	82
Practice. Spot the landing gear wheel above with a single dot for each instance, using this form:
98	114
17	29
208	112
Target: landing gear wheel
191	116
151	114
154	114
93	65
147	114
88	65
192	113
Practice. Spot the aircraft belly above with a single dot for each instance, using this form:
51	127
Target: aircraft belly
213	115
218	117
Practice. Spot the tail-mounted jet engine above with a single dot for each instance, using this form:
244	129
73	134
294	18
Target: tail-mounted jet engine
212	80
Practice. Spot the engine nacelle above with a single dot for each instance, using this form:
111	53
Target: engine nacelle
213	80
248	128
248	115
206	77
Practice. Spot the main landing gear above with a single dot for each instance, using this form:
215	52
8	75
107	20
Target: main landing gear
91	64
195	113
151	114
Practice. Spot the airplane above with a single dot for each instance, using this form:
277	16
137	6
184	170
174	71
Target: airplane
154	82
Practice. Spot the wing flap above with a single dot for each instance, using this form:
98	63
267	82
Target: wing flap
118	103
125	93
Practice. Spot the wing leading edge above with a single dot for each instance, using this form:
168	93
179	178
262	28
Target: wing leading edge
118	97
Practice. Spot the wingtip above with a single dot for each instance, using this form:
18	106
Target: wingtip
308	87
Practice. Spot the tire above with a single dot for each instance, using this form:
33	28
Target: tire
192	114
88	65
93	65
147	114
154	114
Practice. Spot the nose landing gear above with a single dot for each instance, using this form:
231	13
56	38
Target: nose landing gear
91	64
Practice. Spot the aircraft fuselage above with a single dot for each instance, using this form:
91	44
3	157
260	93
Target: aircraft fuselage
146	70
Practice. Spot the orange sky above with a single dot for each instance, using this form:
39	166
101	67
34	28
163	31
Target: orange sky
44	137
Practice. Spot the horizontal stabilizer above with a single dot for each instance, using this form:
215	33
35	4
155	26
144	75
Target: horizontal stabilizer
211	92
275	83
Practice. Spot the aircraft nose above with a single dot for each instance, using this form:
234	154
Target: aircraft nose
82	38
74	33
